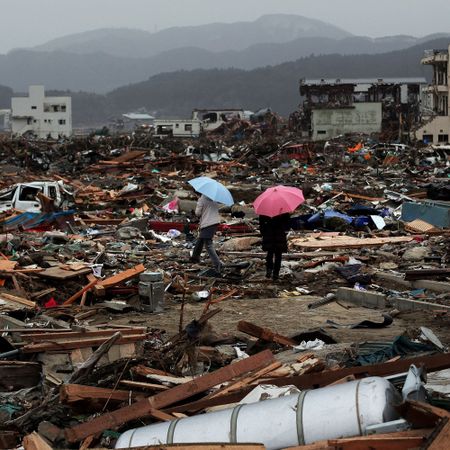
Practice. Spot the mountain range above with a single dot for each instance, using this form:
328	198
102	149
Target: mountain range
102	60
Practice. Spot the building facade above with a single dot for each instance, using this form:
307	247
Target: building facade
435	108
332	107
41	116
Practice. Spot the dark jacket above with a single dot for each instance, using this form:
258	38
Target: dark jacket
273	231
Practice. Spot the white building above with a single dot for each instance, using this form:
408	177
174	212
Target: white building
178	128
5	115
41	116
436	107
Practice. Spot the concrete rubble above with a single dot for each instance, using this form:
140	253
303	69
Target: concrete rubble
106	326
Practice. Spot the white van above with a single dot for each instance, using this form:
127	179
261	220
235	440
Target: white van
23	196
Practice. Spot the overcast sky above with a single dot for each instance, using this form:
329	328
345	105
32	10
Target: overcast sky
25	23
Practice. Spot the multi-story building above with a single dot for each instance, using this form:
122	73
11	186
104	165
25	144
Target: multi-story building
435	108
41	116
332	107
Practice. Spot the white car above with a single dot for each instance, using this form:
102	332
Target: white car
23	196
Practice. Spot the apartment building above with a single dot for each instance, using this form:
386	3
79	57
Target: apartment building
40	116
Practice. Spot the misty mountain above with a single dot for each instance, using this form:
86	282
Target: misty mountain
101	72
215	37
176	94
277	86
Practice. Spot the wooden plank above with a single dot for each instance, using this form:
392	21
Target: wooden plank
402	440
35	441
77	295
246	380
264	333
72	393
142	385
159	415
79	343
7	265
164	399
432	363
56	273
13	299
442	440
348	242
122	276
63	334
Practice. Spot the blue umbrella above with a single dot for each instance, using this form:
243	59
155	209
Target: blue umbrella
212	189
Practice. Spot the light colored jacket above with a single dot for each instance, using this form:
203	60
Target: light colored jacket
208	211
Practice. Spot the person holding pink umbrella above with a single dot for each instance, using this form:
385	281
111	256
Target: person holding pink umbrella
273	207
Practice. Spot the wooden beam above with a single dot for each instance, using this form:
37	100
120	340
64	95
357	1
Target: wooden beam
72	393
166	398
264	333
432	363
35	441
122	276
141	385
78	343
80	293
442	440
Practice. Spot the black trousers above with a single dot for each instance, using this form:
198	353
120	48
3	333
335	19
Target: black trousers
273	263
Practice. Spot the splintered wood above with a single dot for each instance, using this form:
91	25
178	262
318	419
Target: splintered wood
327	241
163	399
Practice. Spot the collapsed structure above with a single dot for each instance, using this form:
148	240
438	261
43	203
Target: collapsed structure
332	107
435	110
112	338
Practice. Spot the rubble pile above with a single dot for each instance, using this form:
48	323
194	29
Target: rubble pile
107	326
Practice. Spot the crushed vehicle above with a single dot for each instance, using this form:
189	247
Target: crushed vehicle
24	196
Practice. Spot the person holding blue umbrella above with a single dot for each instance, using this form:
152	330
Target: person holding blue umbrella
207	209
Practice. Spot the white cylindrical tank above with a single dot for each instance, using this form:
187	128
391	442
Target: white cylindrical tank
332	412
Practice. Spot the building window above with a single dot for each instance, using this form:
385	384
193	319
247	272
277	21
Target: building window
188	127
428	138
34	121
443	138
34	107
62	121
177	125
63	108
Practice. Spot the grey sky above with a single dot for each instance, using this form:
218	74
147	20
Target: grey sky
25	23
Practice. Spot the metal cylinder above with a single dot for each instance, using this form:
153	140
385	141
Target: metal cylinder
342	410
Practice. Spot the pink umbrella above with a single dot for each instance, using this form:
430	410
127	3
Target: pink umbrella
278	200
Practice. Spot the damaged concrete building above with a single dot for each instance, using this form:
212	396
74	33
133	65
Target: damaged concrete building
40	115
332	107
436	112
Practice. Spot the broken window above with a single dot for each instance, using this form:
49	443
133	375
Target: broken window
52	192
28	193
188	127
210	117
7	195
